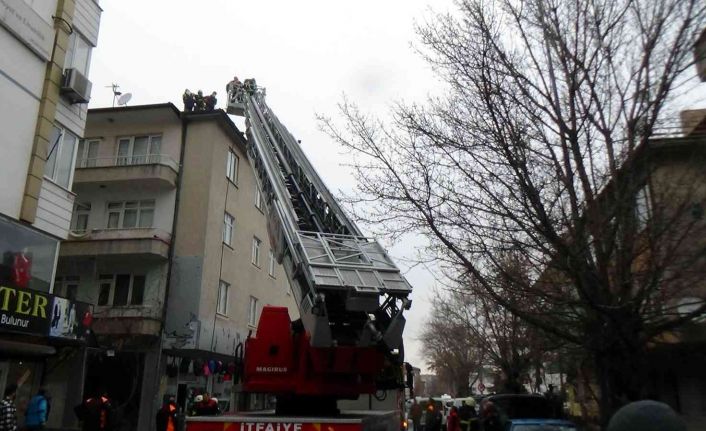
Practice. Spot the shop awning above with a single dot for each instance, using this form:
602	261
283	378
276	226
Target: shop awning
198	354
8	347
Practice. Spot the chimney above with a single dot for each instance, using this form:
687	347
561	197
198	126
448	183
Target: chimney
692	120
700	55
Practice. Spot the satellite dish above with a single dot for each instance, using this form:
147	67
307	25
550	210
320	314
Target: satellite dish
122	100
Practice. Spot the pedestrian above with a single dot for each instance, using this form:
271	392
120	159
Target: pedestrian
453	422
8	411
646	415
490	417
210	405
37	411
415	413
210	102
96	413
188	98
200	103
433	417
197	406
466	413
167	416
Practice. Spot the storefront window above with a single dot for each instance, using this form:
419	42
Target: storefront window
26	375
27	257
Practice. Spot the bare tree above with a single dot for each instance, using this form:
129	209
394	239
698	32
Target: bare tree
544	145
491	333
449	349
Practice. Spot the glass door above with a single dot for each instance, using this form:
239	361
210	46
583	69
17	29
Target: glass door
87	154
155	149
4	367
139	150
123	152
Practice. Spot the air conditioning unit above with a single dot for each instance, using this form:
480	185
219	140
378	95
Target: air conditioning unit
76	87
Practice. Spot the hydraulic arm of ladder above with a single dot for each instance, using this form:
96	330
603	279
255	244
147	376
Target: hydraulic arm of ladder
348	289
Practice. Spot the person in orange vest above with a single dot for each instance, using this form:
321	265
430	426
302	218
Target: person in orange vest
96	413
167	416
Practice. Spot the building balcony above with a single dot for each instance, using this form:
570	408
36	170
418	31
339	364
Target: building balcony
149	243
159	169
131	320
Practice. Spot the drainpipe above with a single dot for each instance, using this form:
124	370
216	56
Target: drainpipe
171	248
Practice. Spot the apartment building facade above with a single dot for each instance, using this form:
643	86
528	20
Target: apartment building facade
169	241
46	50
676	192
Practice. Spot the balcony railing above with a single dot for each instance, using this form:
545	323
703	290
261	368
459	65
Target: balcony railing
146	159
121	233
114	242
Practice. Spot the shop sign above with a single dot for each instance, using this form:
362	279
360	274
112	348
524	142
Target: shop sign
38	313
20	19
278	426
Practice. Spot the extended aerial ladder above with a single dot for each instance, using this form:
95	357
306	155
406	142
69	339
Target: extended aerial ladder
351	295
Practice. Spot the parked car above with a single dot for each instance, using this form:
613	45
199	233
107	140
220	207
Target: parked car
524	412
524	406
540	425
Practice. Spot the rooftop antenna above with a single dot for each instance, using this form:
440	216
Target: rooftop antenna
116	93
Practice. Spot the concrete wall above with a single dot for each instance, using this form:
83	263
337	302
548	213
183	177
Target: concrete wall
167	125
99	198
205	195
89	269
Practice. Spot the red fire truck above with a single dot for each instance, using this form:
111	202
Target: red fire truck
347	345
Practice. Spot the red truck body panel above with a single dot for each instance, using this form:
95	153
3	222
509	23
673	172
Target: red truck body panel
257	421
282	363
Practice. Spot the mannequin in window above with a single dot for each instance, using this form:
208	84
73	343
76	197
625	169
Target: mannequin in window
22	268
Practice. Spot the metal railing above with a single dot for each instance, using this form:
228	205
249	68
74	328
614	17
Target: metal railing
121	233
135	160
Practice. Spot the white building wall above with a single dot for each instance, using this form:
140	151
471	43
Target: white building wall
21	76
87	17
53	199
45	8
85	23
54	209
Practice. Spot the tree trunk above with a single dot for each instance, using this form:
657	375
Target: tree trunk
620	372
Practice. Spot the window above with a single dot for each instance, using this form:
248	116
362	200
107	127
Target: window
138	150
232	167
124	289
66	286
256	251
130	214
258	198
228	228
642	206
87	153
271	263
79	221
222	306
28	250
78	55
252	312
60	157
105	283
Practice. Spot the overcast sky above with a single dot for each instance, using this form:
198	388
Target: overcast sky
306	53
